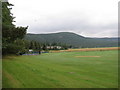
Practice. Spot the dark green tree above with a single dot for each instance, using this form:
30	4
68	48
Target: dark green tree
12	36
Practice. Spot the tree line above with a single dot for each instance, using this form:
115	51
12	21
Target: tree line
45	47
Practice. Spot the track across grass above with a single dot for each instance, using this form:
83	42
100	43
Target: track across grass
62	70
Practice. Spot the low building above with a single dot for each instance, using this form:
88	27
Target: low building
52	47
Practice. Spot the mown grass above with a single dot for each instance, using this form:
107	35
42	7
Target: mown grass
62	70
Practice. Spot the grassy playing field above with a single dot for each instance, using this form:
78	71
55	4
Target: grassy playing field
99	69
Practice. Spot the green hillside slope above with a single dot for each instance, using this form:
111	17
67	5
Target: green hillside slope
73	39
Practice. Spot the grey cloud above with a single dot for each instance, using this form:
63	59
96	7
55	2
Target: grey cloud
75	25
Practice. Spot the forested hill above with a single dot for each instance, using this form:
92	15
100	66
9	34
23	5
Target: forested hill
73	39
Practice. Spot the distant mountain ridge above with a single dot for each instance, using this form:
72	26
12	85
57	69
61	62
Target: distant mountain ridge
73	39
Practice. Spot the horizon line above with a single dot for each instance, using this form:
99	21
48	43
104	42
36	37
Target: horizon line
75	33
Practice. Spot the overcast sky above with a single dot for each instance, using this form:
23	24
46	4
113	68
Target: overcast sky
90	18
